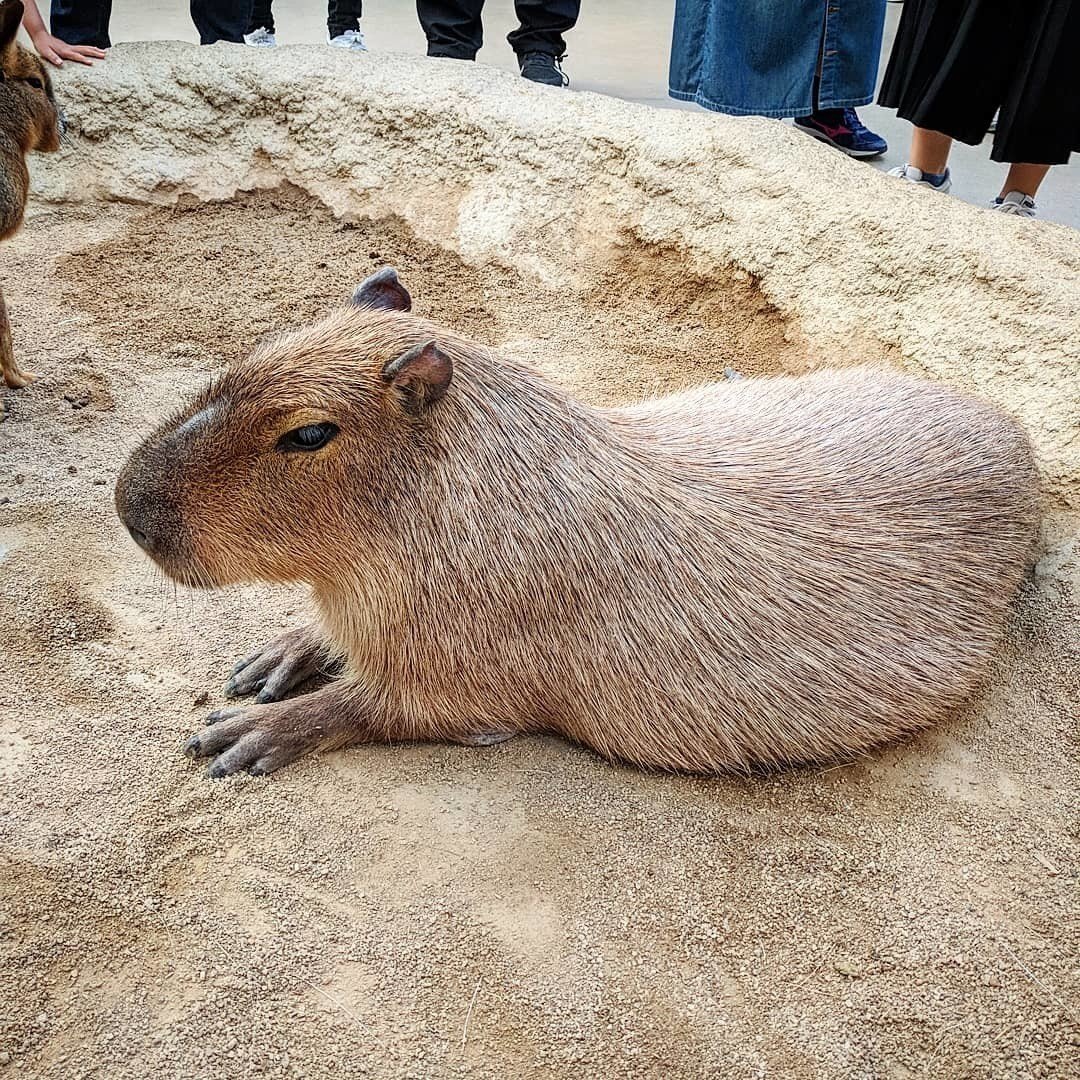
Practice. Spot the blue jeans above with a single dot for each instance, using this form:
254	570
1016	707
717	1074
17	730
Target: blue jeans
759	57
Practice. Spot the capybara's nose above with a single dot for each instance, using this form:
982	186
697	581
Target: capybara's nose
141	539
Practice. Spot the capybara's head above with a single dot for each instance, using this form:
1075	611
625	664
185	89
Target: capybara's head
296	454
28	111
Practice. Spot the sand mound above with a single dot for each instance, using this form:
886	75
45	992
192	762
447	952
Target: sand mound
910	915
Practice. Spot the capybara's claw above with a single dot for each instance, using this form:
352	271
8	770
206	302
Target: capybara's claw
278	668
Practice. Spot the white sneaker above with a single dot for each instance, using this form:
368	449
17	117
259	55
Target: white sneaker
260	39
915	176
1015	202
351	39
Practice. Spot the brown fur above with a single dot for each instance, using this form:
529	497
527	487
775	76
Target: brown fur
754	573
28	121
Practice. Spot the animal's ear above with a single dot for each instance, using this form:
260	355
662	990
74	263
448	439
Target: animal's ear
11	13
420	376
382	291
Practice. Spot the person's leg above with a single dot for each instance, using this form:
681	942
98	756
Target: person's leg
81	22
543	23
262	16
928	161
1024	178
844	74
1018	192
342	16
930	151
453	27
221	20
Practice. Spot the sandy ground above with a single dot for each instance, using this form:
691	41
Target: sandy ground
430	911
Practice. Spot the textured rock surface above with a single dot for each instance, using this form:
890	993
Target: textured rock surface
473	159
528	911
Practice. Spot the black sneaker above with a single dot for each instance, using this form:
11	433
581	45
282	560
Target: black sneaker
542	67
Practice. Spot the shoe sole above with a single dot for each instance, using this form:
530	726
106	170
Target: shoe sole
941	189
822	137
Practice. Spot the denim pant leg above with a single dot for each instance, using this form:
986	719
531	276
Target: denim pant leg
759	57
221	20
543	23
81	22
453	27
850	52
342	15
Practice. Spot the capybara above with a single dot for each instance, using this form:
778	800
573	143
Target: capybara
750	574
29	120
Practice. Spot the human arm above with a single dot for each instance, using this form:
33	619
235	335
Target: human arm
52	48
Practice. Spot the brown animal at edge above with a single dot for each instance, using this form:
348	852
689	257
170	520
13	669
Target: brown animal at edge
29	120
755	573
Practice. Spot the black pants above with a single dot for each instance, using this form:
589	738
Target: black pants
86	22
341	15
454	29
221	20
81	22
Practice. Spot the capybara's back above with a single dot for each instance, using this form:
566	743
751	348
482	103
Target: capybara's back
801	568
760	572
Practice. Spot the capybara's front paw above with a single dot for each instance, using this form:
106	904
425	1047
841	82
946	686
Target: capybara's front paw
285	663
261	738
254	740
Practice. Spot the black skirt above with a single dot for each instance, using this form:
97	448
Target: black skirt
956	62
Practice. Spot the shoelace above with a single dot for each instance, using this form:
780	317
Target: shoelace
853	123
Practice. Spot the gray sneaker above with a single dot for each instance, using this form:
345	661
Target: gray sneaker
1017	203
260	39
916	176
353	40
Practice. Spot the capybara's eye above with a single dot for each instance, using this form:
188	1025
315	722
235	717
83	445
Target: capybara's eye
308	437
37	84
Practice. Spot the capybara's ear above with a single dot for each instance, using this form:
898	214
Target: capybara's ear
11	13
420	376
382	291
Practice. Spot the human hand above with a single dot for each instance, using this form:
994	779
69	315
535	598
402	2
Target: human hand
56	51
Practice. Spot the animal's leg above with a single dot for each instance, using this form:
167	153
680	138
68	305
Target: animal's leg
274	670
13	377
261	738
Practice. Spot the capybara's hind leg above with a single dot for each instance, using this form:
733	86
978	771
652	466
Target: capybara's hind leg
285	663
13	377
